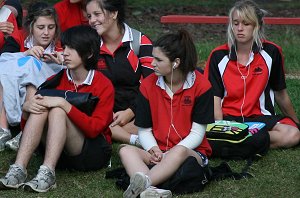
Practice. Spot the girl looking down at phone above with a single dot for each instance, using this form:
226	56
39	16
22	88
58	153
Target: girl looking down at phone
22	72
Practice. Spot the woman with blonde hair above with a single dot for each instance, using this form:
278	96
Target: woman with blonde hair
247	75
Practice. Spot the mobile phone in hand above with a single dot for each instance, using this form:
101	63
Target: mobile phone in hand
48	54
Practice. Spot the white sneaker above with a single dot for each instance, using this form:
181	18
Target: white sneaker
153	192
4	137
14	178
137	185
14	143
44	181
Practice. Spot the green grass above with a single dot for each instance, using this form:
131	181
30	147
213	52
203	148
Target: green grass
276	175
288	38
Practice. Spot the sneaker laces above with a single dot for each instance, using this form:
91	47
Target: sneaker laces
4	133
14	171
17	137
44	174
15	141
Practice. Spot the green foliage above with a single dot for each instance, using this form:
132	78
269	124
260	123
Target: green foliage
293	90
288	38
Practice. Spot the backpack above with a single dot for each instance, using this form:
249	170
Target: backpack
229	131
234	140
136	42
190	177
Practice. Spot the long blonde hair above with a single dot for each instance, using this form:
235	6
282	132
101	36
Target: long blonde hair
250	13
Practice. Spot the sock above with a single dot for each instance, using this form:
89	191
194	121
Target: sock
5	130
21	167
47	167
133	138
148	181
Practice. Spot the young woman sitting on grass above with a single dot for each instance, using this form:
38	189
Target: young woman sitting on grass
22	72
119	61
175	92
247	75
72	139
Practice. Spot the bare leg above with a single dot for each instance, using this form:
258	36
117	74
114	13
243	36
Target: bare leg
170	163
3	120
61	133
136	160
284	136
31	137
122	134
30	91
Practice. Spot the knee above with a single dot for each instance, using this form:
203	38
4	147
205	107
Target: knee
125	150
57	111
122	148
180	151
294	134
288	137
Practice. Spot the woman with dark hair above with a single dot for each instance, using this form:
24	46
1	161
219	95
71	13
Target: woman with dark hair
72	138
21	73
176	92
125	58
247	75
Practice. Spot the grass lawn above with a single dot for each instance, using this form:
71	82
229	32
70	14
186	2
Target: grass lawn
276	175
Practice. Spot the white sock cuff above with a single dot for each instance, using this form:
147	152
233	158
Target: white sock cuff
133	138
21	167
148	181
5	130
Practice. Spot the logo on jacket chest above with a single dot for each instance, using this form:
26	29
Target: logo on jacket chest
102	63
187	101
257	70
